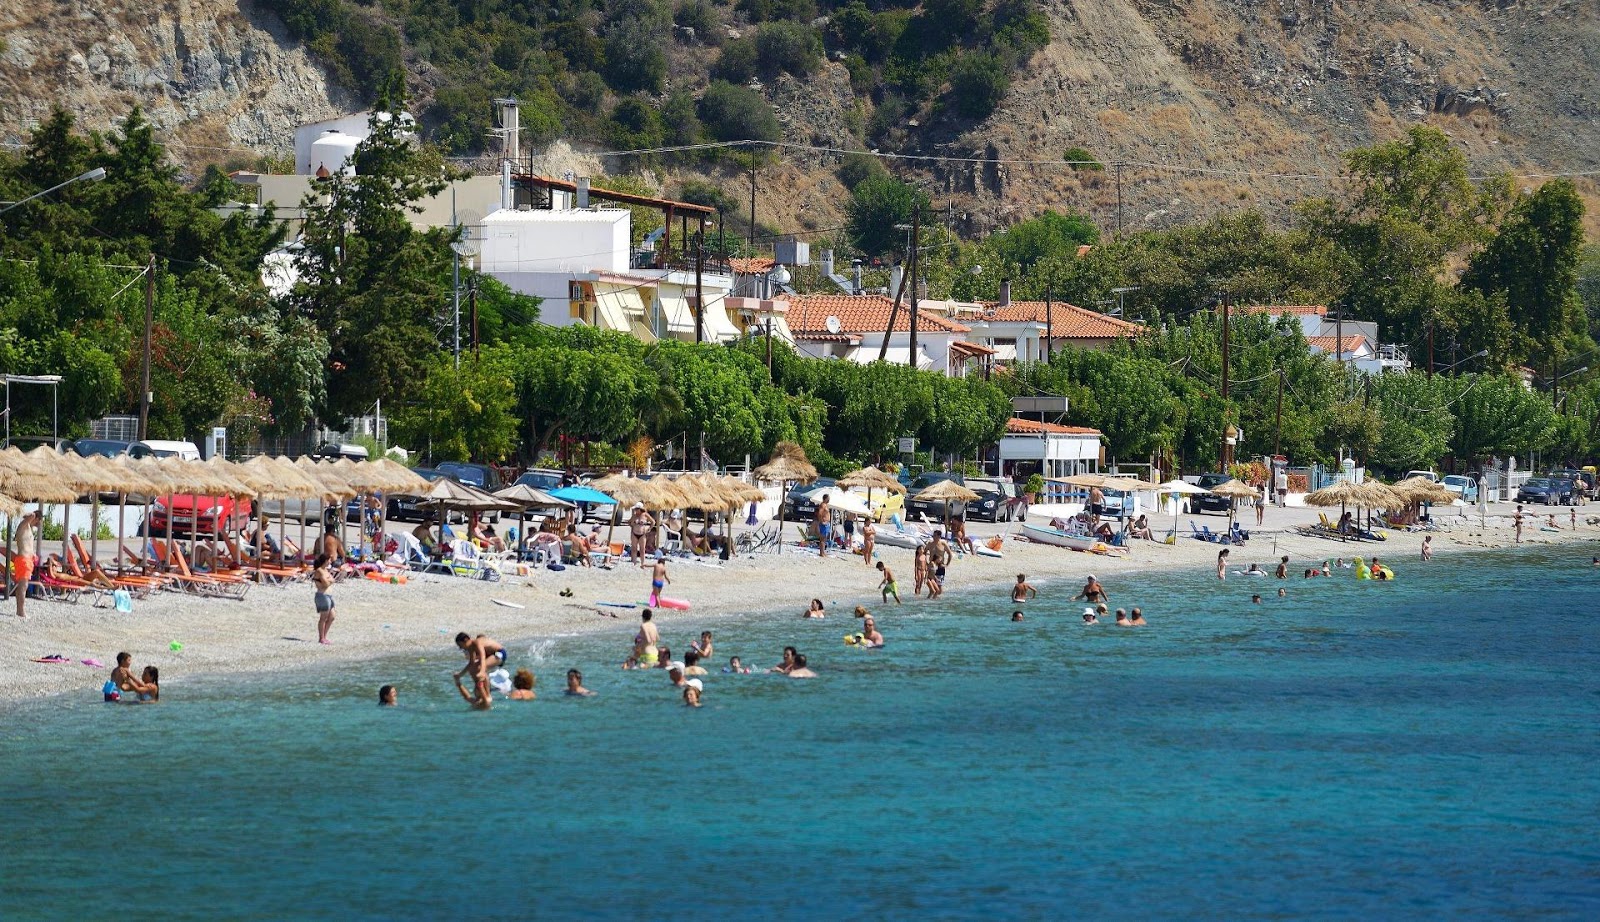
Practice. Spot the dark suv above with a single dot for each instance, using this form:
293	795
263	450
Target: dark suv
997	501
932	510
483	476
801	508
1210	502
1550	491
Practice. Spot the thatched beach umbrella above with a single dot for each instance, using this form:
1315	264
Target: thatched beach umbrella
627	491
872	478
948	491
788	463
526	498
1235	490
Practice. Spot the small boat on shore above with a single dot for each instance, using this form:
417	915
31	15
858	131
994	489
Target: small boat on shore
909	538
1044	534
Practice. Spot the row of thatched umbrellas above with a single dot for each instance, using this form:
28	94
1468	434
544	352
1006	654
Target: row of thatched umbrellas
48	477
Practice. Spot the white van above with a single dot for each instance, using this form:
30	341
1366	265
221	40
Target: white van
165	448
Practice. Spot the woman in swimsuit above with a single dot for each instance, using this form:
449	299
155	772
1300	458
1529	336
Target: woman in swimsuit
869	537
323	579
919	570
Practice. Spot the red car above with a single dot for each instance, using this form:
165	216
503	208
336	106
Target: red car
204	514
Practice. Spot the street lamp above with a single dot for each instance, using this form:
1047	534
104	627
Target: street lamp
94	175
461	248
1555	384
1476	355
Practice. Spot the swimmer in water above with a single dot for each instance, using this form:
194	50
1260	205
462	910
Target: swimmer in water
1016	616
478	697
575	684
1092	591
1427	547
522	686
800	671
872	637
1254	570
1222	564
789	654
1325	570
1283	567
1136	618
1021	592
1089	616
736	667
388	696
691	693
1122	618
1255	599
815	611
1282	593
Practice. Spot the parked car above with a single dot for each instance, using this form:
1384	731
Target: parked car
998	501
1210	502
483	476
541	478
1583	482
1550	491
1464	487
406	508
1425	475
203	515
799	507
107	448
932	510
333	452
165	448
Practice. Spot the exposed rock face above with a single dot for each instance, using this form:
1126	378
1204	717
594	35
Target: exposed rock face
216	74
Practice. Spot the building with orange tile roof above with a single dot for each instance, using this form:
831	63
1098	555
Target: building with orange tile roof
855	327
1017	330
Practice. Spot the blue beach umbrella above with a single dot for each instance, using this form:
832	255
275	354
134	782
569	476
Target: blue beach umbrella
582	494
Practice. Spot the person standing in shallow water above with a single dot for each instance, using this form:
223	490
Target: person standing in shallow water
1222	564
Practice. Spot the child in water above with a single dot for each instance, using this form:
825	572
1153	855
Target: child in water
735	667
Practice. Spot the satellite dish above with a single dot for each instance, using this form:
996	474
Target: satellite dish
833	324
990	314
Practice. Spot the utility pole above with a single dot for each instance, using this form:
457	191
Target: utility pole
916	243
1049	317
1338	337
1430	345
1119	199
472	302
894	314
752	200
1277	440
699	293
1224	383
144	367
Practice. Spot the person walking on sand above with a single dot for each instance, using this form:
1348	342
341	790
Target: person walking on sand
1427	547
869	537
1222	564
1022	592
1516	520
322	578
887	585
658	578
1261	503
26	558
824	520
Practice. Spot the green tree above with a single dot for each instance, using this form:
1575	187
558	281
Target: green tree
1496	415
462	414
978	83
877	206
737	113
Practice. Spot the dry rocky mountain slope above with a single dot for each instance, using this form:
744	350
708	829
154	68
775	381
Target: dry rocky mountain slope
1221	88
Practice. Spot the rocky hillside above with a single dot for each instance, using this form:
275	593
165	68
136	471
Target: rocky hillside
1210	104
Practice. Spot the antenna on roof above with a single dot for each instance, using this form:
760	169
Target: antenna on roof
833	325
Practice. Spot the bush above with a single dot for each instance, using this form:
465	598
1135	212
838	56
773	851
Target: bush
679	123
858	168
737	61
1080	159
773	10
978	82
789	48
702	18
1034	486
737	113
634	125
634	57
862	79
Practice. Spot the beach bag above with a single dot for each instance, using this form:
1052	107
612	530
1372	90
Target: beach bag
555	565
122	601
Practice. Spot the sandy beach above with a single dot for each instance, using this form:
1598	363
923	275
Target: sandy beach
274	628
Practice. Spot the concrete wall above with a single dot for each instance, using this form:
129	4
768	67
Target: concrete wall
556	241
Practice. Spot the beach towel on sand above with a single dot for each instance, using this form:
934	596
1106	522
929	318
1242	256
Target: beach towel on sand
122	601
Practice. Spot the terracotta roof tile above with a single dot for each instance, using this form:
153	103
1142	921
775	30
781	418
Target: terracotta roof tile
1353	343
1314	310
961	346
1020	426
809	314
1067	321
752	265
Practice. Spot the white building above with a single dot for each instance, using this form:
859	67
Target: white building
1051	450
855	327
1353	341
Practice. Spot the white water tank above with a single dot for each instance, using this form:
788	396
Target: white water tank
335	151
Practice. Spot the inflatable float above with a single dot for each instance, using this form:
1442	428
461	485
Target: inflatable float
661	601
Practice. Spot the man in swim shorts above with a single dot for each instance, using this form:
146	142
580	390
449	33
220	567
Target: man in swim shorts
647	639
482	652
887	584
824	521
1021	592
26	557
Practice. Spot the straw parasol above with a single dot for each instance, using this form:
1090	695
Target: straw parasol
10	508
1084	480
399	478
1423	490
947	491
1375	494
1235	490
788	463
1179	488
873	479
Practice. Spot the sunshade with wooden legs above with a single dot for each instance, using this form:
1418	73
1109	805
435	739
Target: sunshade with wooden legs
949	492
787	464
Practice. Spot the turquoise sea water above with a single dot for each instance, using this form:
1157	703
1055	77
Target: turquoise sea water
1422	749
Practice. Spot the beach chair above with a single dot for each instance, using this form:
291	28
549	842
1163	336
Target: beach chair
84	568
1201	532
220	586
466	561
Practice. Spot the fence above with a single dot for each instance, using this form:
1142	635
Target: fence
115	428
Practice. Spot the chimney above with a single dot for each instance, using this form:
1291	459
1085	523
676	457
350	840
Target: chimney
858	277
896	274
1005	292
507	199
583	193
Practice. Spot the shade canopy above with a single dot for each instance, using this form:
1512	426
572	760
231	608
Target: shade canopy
1237	489
457	495
1423	490
626	491
583	494
842	500
1376	495
873	479
1182	488
1084	480
948	491
1128	484
788	463
526	496
1338	493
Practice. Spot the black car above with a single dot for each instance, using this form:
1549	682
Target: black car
801	508
542	479
932	510
1550	491
107	448
1210	502
406	508
482	476
997	501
